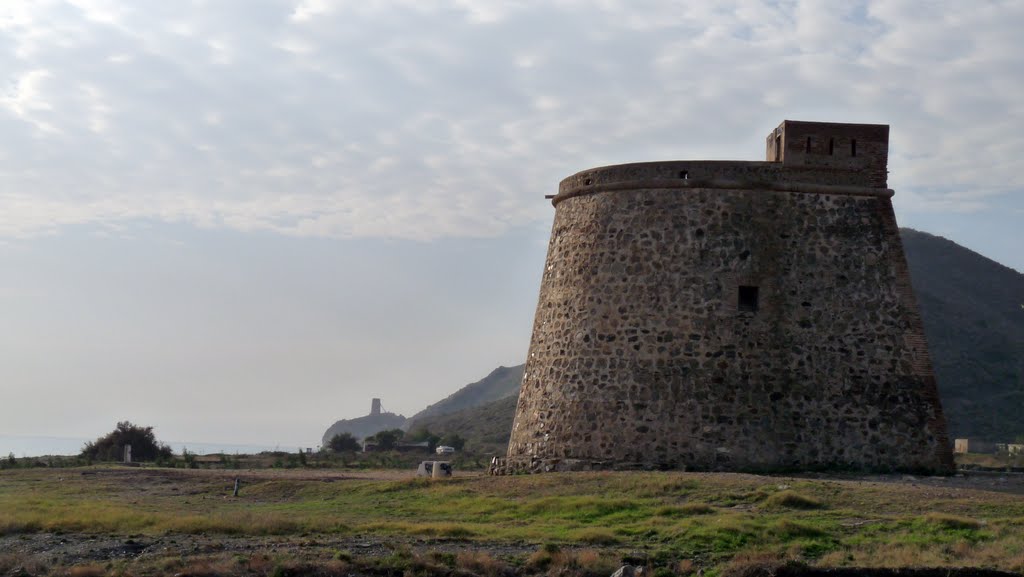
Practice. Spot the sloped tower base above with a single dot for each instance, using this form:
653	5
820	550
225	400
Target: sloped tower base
728	316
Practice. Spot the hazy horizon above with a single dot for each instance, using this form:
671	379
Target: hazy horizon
239	222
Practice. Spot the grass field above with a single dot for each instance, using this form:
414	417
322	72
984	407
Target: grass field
676	522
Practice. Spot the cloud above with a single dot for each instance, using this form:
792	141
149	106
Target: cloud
438	119
27	102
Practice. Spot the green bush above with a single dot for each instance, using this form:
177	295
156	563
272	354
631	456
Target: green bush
110	447
344	443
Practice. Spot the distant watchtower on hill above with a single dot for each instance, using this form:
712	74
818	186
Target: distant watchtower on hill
731	315
361	427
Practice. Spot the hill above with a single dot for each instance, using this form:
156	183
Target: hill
485	427
502	382
973	313
974	320
362	427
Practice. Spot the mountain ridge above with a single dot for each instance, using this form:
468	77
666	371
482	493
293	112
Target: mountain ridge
500	383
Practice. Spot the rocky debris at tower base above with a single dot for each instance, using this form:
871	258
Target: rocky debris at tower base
529	466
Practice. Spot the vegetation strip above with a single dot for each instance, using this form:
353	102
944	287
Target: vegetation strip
662	519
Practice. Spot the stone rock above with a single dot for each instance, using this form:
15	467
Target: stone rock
629	571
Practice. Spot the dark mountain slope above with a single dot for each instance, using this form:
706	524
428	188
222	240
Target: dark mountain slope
974	321
501	383
486	427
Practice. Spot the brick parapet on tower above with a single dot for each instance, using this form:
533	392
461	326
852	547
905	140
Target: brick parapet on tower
728	315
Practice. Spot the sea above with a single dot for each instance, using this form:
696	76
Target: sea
27	446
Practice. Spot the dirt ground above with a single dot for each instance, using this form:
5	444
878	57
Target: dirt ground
74	549
1001	482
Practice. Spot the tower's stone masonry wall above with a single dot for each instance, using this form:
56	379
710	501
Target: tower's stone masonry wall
641	355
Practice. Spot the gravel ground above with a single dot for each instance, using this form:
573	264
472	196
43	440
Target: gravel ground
73	548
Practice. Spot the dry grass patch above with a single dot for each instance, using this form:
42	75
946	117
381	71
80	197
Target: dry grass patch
953	522
449	530
235	523
792	500
595	536
755	563
481	563
553	561
888	555
1007	554
90	570
789	529
686	567
11	564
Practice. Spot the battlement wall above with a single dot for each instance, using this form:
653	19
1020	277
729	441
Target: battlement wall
760	175
860	147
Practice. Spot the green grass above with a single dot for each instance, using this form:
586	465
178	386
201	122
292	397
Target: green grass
710	518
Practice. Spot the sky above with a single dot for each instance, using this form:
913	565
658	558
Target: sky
239	221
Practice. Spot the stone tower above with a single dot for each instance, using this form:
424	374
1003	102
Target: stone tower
730	315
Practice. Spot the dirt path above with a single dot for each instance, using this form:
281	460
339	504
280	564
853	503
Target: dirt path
75	548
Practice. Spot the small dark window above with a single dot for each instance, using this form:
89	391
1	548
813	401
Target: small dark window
748	299
831	146
853	147
778	149
807	149
684	175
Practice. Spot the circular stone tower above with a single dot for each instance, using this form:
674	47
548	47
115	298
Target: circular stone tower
724	315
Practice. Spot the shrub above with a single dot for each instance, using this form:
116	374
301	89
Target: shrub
421	435
110	447
387	440
453	440
189	458
344	442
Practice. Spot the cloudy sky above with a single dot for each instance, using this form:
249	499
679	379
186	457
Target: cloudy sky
238	221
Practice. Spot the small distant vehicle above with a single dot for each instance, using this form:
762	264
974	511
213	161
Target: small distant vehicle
444	450
434	469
